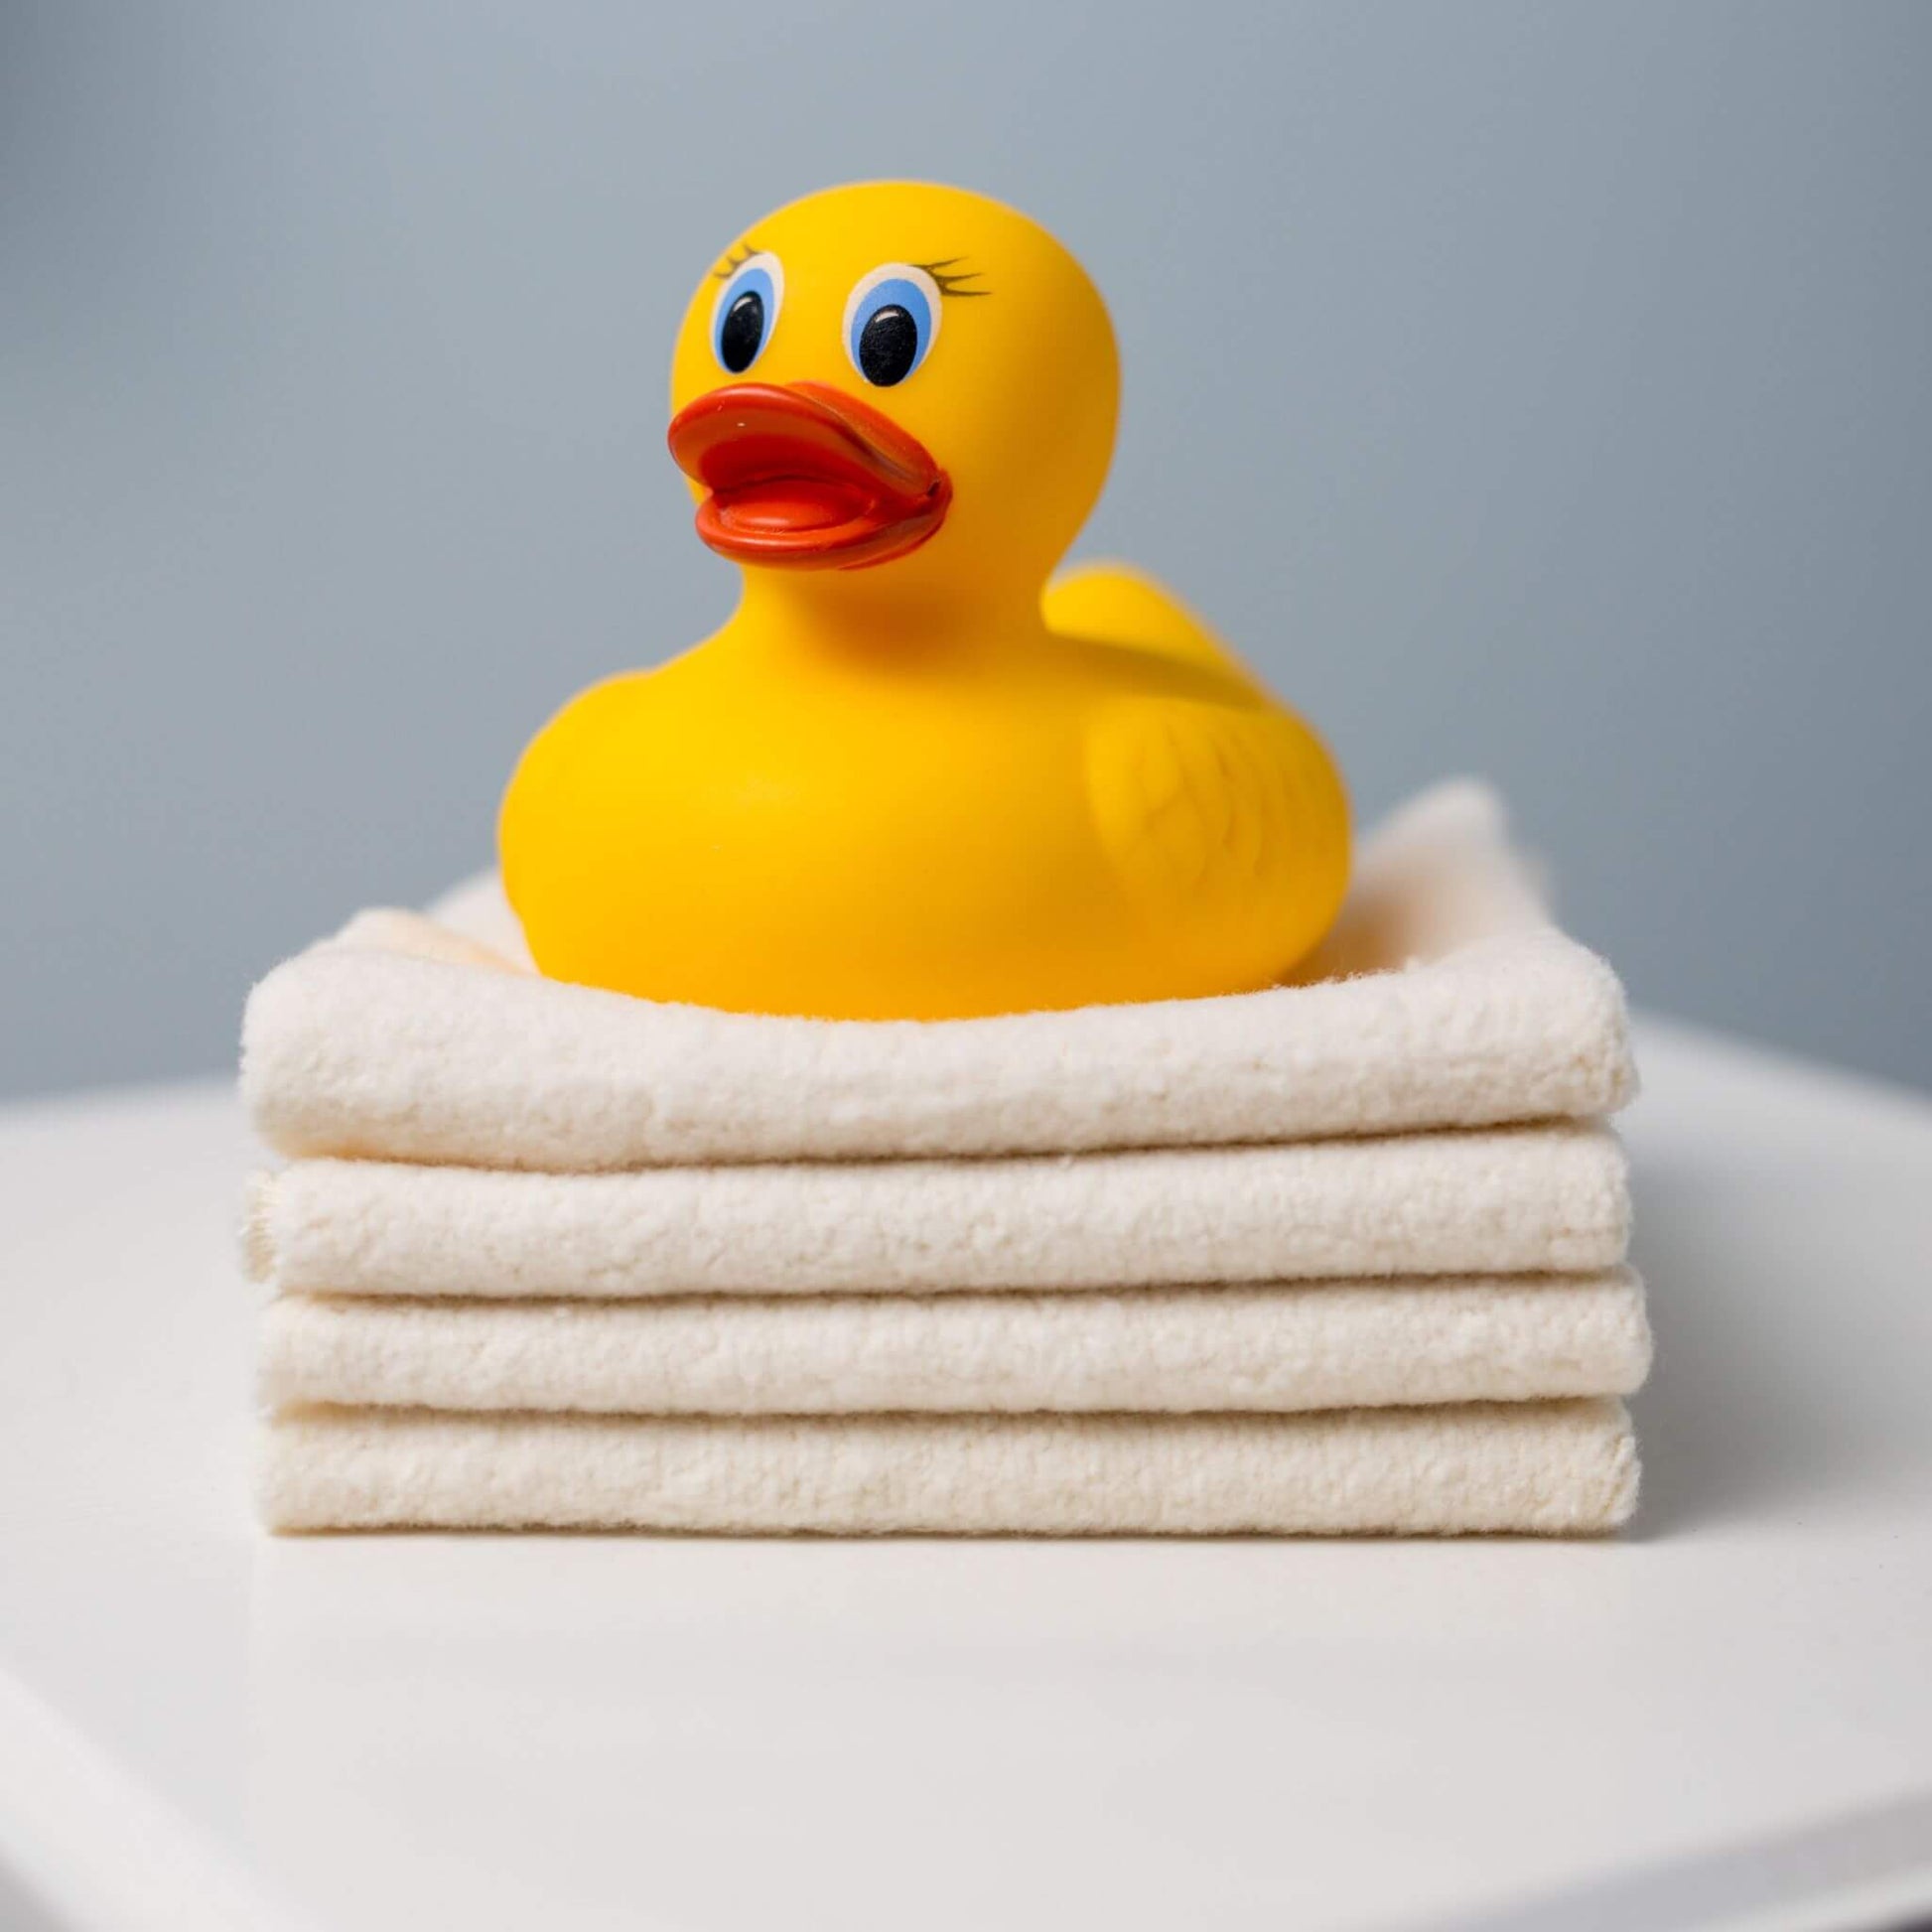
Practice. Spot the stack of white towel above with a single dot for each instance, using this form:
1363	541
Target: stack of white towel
1341	1256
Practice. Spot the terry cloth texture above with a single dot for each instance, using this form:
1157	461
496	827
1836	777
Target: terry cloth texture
1339	1345
429	1040
1559	1468
1551	1200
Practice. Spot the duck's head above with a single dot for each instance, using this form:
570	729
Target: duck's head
908	382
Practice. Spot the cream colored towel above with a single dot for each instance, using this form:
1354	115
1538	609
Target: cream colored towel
1524	1201
406	1038
1557	1468
1339	1345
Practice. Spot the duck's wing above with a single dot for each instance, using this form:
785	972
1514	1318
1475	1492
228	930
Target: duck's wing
1220	815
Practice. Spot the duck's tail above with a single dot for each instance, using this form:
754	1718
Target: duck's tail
1115	604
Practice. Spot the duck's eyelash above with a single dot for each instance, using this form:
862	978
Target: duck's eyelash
735	261
946	284
950	284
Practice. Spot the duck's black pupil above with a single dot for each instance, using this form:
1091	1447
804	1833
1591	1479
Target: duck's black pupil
889	346
741	331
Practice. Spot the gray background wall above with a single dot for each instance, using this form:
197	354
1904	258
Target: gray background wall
1536	390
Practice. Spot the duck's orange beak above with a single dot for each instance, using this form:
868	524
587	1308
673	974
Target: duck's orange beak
805	477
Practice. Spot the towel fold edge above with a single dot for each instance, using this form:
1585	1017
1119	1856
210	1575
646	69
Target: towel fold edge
1271	1348
1560	1469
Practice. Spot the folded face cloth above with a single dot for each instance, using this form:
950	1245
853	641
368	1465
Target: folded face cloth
1522	1200
429	1040
1557	1468
1339	1345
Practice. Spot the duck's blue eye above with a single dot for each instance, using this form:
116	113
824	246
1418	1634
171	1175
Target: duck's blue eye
891	320
747	312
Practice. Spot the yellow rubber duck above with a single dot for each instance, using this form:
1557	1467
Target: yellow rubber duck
908	778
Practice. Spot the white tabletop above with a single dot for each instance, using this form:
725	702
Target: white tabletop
1724	1715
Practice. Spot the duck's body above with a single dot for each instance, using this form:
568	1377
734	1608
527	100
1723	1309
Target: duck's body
922	790
1040	821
